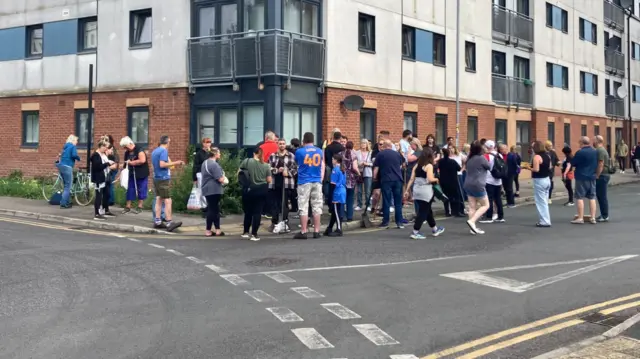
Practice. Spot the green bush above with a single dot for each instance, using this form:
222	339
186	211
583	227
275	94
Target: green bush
12	187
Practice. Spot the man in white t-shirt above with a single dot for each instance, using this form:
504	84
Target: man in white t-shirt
494	186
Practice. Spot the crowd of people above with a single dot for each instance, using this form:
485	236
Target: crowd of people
298	177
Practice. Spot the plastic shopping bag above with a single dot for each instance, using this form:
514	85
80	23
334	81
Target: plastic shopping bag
203	200
194	200
124	178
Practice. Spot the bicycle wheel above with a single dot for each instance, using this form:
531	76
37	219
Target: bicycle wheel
51	185
83	190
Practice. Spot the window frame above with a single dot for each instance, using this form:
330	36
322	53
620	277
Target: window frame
593	30
29	38
564	18
501	122
301	24
566	134
470	48
564	76
414	118
635	50
634	94
473	121
133	44
25	117
551	131
316	132
596	130
374	123
583	83
518	59
411	33
583	130
439	48
445	119
130	112
91	117
369	19
82	46
502	65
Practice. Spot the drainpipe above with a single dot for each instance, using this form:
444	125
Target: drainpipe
458	73
630	131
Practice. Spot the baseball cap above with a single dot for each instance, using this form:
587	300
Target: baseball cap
490	144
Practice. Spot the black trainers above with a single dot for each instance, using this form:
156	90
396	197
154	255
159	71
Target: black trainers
317	235
171	226
337	233
99	217
109	214
300	235
161	225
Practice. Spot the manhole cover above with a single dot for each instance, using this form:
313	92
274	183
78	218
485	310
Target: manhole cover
271	262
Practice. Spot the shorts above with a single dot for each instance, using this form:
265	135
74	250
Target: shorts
480	194
141	185
585	189
162	188
310	194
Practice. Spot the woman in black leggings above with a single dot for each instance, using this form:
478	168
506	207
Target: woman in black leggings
213	179
422	180
567	174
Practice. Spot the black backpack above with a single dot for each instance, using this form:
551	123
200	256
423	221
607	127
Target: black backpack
244	178
499	169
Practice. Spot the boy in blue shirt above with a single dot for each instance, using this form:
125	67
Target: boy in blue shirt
338	196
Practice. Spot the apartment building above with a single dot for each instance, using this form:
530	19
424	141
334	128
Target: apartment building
232	69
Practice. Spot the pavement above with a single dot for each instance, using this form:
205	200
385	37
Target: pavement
517	292
231	224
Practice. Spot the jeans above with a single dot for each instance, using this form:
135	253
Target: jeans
516	181
494	195
66	173
550	186
508	188
541	187
364	189
461	179
351	192
153	209
112	187
601	194
391	192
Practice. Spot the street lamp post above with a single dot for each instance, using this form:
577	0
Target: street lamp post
458	74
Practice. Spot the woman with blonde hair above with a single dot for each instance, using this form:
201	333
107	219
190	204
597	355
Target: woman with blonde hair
66	161
365	165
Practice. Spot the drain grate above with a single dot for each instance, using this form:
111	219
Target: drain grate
271	262
609	320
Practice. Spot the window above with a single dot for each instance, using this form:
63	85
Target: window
472	129
206	22
411	122
254	15
470	56
366	32
635	94
551	132
82	127
87	34
253	120
368	125
557	76
222	19
138	124
30	128
588	31
296	121
588	83
635	136
34	41
523	138
499	63
522	7
501	132
206	124
408	42
607	87
521	68
300	17
439	48
635	51
583	130
226	127
441	129
140	28
557	18
567	135
596	130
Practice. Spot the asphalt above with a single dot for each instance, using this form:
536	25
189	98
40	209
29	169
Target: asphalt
82	294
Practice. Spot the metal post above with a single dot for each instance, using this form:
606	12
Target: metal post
90	124
458	74
629	98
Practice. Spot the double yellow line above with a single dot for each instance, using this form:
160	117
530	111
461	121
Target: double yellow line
535	334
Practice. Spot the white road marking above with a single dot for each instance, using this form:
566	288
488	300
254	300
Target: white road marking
479	277
307	292
341	311
134	240
311	338
234	279
156	245
261	296
375	334
194	259
315	269
216	268
280	278
618	329
404	356
173	251
285	315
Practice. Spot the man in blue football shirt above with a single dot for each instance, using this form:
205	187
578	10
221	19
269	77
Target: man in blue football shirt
162	183
310	160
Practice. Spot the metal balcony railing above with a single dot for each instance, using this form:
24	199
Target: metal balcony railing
614	61
512	91
614	106
225	58
613	16
512	27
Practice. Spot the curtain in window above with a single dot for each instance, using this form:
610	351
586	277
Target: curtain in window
254	15
253	119
365	31
32	129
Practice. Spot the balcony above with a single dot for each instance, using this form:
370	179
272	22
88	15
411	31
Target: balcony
512	91
226	58
613	16
512	27
614	107
614	62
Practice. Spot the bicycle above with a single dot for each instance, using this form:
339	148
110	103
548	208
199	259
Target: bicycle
81	188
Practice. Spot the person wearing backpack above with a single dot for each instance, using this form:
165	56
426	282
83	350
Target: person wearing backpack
498	171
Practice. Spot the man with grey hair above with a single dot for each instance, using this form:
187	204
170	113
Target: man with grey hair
162	183
602	179
585	164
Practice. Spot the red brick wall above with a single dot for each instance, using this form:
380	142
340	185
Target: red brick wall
168	114
390	110
540	120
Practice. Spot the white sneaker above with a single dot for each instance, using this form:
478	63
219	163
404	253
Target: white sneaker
254	238
369	209
549	201
358	209
479	231
245	235
391	210
495	216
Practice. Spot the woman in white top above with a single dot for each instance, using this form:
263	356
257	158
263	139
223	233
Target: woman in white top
365	165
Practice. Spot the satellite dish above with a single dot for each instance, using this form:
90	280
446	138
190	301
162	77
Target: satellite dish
626	4
621	92
353	103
